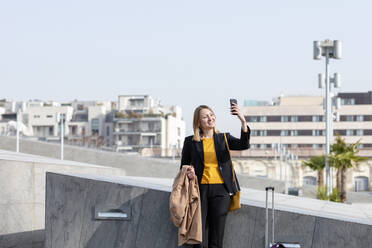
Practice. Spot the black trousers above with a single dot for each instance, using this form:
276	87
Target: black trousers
215	203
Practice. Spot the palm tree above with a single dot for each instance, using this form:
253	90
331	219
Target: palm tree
343	157
317	164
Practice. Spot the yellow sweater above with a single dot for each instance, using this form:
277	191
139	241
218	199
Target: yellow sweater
211	174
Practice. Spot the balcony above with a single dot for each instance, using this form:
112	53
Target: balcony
137	131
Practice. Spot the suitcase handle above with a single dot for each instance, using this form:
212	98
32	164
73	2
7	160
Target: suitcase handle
267	217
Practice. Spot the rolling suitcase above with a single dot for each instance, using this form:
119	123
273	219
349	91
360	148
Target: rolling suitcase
272	244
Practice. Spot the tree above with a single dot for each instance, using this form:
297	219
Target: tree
317	164
343	157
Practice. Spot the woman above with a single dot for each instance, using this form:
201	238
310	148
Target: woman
207	152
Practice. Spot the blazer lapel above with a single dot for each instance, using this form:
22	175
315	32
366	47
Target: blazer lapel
199	150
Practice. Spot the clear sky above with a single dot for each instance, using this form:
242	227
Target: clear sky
183	52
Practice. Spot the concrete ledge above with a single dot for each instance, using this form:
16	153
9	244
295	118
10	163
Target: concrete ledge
22	195
70	222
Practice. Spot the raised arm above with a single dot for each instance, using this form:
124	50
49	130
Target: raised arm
243	142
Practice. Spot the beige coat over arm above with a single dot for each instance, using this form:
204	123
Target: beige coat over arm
185	210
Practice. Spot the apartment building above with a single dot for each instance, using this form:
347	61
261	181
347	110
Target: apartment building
141	122
133	123
297	122
44	120
9	111
88	124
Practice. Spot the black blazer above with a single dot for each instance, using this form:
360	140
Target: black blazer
193	154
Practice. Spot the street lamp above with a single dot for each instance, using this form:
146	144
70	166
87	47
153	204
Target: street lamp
61	118
18	126
328	49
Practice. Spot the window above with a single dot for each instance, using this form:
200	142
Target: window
95	125
136	102
284	118
273	118
263	133
317	118
339	132
178	131
263	118
359	118
305	132
349	132
361	183
305	118
253	118
273	132
107	131
347	101
294	133
51	131
359	132
309	180
367	132
284	133
294	118
304	145
349	118
73	130
49	116
317	132
36	116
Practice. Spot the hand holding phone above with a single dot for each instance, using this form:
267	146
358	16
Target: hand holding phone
232	102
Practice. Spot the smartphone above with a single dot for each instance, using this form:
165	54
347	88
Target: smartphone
232	100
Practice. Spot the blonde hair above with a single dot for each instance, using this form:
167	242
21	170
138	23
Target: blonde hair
196	122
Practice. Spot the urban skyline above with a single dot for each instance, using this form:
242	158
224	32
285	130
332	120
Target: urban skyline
204	55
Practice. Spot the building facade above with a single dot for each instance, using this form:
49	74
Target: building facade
45	123
142	124
297	123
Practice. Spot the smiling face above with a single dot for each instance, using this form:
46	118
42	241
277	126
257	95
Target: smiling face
207	119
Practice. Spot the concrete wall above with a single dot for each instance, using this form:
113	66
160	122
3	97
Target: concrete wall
247	169
22	196
134	165
70	222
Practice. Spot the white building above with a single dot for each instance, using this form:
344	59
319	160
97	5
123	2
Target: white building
138	104
8	118
88	124
141	122
44	123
